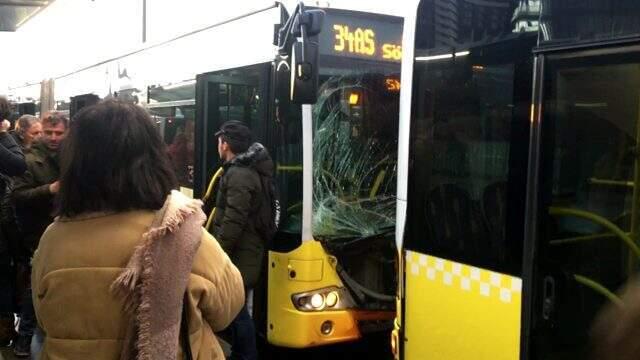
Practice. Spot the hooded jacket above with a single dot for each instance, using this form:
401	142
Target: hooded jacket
237	202
110	286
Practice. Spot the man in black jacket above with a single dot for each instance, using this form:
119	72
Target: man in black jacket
11	164
33	195
235	224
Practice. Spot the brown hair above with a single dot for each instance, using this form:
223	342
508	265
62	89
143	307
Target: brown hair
113	160
54	118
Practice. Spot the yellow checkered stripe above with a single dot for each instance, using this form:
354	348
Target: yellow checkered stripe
464	277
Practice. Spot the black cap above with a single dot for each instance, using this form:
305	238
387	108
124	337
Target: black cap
236	134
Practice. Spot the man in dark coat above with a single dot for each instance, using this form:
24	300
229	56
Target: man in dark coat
33	195
239	198
12	163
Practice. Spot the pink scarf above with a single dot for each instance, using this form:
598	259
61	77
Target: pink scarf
155	279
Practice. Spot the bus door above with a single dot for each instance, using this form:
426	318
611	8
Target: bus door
468	149
585	228
231	94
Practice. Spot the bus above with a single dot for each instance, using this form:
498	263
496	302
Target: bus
331	268
330	273
518	175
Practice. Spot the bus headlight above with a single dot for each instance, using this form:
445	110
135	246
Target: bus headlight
332	298
317	301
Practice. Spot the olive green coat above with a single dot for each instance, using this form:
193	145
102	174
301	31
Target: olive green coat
31	195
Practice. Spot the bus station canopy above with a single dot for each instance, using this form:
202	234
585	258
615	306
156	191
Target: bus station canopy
14	13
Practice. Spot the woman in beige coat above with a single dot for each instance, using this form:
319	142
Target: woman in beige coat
110	274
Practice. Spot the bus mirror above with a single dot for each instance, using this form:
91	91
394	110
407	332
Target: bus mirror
282	83
312	21
298	38
304	72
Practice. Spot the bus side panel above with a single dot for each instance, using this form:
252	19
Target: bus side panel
456	311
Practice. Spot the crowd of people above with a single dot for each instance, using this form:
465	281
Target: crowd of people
102	254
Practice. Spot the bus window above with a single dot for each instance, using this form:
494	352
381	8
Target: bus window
238	102
176	126
172	108
583	21
468	149
288	158
231	94
355	147
590	185
355	158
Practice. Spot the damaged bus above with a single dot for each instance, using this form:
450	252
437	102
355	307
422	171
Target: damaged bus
330	272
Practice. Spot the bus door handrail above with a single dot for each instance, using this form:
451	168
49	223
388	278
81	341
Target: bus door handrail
577	239
599	288
625	237
596	181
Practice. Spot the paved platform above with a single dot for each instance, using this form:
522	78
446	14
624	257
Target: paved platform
36	345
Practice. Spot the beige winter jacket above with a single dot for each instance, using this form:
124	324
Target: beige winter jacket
77	262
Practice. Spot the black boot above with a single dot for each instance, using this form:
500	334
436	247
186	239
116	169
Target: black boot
7	330
22	347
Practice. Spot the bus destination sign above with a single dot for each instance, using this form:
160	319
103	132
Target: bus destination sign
364	36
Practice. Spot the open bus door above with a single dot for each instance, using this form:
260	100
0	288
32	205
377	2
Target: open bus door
233	94
467	142
523	199
584	205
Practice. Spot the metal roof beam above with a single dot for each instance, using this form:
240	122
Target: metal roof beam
24	3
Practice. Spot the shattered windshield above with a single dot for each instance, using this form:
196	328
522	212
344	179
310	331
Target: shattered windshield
355	155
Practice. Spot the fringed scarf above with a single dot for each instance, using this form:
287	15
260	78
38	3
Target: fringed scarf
155	279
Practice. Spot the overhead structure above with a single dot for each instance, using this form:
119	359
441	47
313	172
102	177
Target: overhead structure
15	13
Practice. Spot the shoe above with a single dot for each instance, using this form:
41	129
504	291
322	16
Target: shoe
7	331
22	347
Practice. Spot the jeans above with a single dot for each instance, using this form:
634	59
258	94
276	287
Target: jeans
27	315
243	335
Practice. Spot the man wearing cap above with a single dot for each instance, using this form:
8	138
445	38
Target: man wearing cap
234	225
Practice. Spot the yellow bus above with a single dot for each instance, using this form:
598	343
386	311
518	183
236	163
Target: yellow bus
330	273
519	175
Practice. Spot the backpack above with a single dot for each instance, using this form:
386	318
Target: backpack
269	211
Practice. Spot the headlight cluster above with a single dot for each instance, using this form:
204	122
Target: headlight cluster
332	298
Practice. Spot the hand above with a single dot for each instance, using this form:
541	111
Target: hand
5	125
54	187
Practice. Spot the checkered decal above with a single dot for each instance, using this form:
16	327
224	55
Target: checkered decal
466	278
